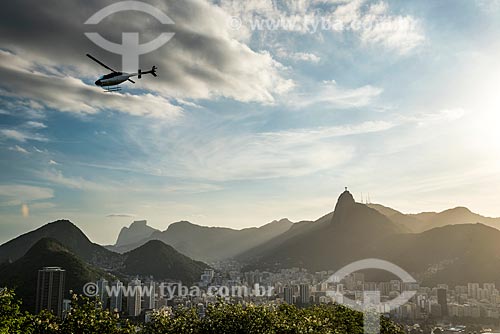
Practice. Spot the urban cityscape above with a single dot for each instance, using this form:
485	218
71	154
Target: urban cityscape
441	306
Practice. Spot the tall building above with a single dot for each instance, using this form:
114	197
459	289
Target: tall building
134	298
207	277
66	308
490	287
116	297
304	294
288	294
442	301
473	290
359	280
102	292
50	290
149	295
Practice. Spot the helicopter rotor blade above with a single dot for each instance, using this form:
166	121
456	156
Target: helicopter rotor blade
132	81
101	63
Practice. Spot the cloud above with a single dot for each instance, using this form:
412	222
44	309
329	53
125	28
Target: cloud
399	33
440	116
56	177
264	155
69	94
121	215
202	61
330	94
42	205
35	125
19	149
38	150
52	162
298	56
372	24
12	194
20	136
488	6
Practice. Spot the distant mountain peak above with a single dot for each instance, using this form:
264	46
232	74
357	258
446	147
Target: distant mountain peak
346	200
459	209
156	258
281	221
136	232
138	224
62	223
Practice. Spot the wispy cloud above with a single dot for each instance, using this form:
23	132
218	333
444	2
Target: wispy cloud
121	215
330	94
373	24
56	177
42	205
264	155
400	33
440	116
298	56
19	149
35	125
21	136
15	194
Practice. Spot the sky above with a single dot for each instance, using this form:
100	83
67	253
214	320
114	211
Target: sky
261	110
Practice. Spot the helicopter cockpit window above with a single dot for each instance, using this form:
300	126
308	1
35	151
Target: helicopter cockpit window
111	75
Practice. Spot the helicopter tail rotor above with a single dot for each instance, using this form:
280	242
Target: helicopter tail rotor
153	71
140	73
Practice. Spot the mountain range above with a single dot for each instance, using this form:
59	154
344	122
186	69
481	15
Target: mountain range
455	246
135	233
47	252
162	261
427	220
69	236
453	254
203	242
62	244
333	240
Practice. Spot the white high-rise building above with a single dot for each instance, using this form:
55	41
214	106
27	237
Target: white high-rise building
116	297
134	298
149	296
102	292
473	290
50	290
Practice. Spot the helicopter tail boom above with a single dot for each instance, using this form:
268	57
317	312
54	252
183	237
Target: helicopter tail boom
152	72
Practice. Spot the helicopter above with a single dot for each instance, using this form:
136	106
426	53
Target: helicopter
110	82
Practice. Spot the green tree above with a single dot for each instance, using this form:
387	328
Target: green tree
12	319
87	317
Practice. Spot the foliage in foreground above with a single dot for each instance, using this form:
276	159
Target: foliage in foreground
84	318
220	318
